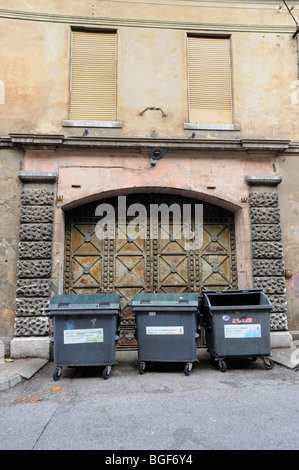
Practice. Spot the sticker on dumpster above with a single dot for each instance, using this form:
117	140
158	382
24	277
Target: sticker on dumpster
242	331
90	335
242	320
164	330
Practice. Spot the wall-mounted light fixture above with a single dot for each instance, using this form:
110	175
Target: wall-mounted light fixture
156	153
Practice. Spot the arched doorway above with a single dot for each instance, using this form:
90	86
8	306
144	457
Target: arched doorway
128	264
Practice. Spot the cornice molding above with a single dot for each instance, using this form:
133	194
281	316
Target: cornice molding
61	142
37	177
144	23
293	148
263	180
223	4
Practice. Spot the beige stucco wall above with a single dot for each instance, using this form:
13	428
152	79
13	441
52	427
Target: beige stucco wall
151	65
10	164
33	60
289	213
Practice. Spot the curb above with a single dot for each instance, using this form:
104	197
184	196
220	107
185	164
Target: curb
23	374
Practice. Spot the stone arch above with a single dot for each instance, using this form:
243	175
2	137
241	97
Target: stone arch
224	203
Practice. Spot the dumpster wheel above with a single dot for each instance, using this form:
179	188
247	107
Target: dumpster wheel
187	368
141	368
57	373
268	363
222	365
106	372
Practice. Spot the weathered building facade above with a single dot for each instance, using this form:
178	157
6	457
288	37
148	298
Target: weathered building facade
174	102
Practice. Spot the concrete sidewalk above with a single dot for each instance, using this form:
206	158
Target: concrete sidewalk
13	371
246	408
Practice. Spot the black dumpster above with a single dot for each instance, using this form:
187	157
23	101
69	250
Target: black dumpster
237	325
166	328
85	330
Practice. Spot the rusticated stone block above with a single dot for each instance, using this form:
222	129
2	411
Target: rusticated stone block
278	321
273	267
265	215
267	250
32	307
35	250
36	232
39	197
31	214
266	232
33	287
279	302
34	265
31	269
263	199
31	326
270	285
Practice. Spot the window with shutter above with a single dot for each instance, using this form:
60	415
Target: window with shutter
93	76
209	73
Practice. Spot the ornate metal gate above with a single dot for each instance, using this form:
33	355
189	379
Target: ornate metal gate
134	263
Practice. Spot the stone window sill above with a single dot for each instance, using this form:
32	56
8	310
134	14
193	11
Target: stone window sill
89	124
212	127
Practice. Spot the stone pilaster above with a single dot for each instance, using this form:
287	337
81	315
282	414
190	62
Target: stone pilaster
267	251
34	267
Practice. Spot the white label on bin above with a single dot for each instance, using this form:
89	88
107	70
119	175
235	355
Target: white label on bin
242	331
90	335
164	330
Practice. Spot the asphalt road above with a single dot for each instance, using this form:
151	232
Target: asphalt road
245	408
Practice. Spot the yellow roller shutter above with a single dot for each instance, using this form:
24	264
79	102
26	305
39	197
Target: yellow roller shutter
93	76
209	80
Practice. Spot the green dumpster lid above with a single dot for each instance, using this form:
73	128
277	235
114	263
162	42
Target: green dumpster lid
165	299
88	301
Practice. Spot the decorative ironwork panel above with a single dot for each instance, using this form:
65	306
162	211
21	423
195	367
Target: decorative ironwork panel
86	264
216	257
173	265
